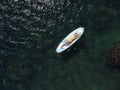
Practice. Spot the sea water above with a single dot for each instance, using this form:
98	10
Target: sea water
30	31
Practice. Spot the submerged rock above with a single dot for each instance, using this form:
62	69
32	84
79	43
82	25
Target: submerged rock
115	54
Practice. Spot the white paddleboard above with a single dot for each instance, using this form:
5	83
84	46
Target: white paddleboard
61	47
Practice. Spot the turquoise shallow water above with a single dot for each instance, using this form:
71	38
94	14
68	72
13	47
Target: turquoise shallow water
31	30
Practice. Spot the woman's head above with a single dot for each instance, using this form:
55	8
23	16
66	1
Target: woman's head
76	35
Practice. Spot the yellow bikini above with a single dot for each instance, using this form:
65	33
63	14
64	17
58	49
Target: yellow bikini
71	39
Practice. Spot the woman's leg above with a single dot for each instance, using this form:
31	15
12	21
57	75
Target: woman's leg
66	44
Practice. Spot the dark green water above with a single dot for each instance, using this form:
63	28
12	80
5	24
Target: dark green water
30	31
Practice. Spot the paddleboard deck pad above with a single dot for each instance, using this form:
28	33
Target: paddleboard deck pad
62	47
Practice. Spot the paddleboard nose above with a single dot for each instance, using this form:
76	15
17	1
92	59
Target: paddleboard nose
81	29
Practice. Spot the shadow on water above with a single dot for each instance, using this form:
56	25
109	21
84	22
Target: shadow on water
73	50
